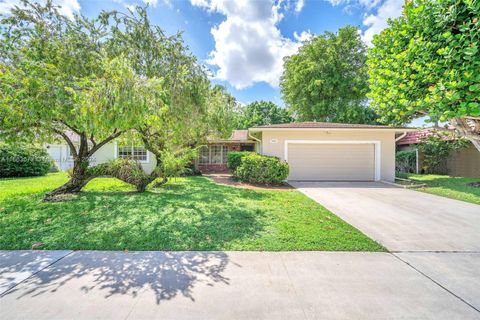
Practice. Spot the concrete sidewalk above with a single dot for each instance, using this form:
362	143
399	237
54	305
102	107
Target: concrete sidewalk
240	285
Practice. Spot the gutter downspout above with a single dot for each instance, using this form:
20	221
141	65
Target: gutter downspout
401	136
256	139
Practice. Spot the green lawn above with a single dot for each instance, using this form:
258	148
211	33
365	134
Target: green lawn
450	187
186	214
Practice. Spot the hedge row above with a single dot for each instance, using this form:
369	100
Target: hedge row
255	168
23	161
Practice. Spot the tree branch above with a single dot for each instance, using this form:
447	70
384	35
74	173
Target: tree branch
68	126
92	139
114	135
69	142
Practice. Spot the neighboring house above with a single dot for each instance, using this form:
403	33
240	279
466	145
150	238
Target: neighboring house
461	163
315	151
332	151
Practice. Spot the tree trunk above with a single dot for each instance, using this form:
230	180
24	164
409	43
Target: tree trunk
465	130
78	180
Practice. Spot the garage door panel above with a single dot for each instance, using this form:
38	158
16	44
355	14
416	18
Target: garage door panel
336	162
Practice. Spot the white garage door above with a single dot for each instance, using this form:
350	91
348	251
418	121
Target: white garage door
331	162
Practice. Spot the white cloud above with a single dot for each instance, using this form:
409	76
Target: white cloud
249	47
377	14
303	36
376	22
67	7
299	5
152	3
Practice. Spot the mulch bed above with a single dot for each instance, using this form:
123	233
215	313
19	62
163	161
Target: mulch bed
228	180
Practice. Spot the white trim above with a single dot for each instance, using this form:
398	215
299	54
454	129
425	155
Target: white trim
115	150
258	145
400	137
417	162
376	143
115	156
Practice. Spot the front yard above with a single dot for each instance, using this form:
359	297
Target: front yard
191	213
450	187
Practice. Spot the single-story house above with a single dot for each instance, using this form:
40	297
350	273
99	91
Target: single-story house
461	163
212	158
331	151
313	150
62	155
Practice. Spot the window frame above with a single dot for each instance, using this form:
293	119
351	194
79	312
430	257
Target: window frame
132	148
222	153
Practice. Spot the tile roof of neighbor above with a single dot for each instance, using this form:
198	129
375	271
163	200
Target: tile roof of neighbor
239	135
416	136
327	125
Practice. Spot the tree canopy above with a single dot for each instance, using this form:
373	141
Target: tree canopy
327	79
426	63
261	113
101	78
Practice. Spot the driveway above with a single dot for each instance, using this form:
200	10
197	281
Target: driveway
229	285
400	219
436	236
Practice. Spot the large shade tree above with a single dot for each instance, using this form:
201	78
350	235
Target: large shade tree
97	80
191	109
327	79
260	113
426	63
57	81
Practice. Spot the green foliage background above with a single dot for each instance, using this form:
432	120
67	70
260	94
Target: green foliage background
427	62
327	79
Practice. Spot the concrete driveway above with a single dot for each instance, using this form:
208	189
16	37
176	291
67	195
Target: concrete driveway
400	219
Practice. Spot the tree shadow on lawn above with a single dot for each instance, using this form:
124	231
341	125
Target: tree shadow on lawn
165	274
193	214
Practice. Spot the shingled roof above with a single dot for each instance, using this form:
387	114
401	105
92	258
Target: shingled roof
325	125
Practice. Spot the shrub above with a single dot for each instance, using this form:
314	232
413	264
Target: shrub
23	161
261	169
127	170
437	147
406	161
234	159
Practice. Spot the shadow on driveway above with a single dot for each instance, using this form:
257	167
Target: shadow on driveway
167	274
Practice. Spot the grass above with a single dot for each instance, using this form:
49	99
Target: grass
191	213
450	187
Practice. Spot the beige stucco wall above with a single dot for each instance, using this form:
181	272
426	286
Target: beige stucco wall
106	153
273	144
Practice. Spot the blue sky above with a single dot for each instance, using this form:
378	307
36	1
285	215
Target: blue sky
243	42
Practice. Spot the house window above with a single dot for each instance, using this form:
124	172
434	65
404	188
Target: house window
213	154
216	154
134	153
204	156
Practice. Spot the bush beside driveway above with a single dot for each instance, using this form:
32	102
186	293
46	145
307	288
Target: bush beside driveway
191	213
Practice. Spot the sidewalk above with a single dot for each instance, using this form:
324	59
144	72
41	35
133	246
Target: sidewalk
236	285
